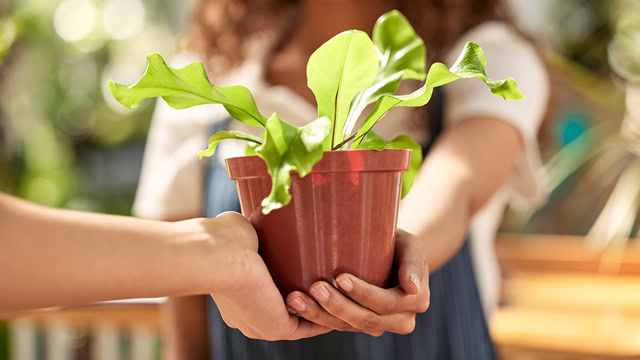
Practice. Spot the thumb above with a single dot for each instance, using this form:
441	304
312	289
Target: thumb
410	257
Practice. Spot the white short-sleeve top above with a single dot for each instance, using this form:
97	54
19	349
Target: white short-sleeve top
172	177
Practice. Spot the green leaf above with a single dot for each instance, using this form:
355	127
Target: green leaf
374	142
288	148
401	55
186	87
224	135
409	176
417	98
250	149
337	71
399	47
471	63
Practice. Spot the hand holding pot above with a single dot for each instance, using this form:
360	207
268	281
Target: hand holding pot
368	308
249	300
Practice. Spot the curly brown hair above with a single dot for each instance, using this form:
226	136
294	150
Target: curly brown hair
226	31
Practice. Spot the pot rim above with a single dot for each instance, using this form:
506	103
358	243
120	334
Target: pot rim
335	161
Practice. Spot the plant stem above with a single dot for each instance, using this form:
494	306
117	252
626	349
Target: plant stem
344	142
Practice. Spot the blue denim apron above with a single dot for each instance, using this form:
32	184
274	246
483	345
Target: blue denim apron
454	327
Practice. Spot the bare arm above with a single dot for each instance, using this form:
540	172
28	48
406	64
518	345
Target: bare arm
53	257
469	163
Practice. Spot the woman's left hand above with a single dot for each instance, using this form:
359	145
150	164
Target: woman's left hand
368	308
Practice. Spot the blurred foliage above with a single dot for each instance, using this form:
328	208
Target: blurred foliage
63	141
5	340
595	175
624	48
581	31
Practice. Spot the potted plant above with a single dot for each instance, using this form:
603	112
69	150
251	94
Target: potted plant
324	198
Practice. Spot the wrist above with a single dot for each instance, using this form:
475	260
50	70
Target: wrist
221	250
197	256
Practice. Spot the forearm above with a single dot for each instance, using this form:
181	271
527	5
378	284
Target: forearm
53	257
466	167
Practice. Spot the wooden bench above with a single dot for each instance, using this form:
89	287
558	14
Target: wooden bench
565	301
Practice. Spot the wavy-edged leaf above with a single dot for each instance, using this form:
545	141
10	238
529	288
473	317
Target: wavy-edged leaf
399	47
186	87
337	71
471	63
288	148
215	139
374	142
401	55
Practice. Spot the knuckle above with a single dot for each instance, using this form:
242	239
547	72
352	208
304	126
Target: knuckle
228	321
248	334
408	326
376	333
230	324
370	323
423	304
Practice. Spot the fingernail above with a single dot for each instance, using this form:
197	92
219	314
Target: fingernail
298	304
291	310
320	292
414	279
345	283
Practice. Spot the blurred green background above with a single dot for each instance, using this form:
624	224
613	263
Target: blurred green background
63	141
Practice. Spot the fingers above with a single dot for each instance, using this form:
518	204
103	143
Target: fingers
384	301
304	328
357	316
369	308
289	328
411	258
307	308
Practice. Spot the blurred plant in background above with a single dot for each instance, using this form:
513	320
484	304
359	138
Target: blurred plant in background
63	140
595	175
619	220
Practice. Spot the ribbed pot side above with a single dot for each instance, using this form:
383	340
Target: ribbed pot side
341	218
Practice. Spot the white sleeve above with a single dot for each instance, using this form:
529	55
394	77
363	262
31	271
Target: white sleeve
507	55
171	179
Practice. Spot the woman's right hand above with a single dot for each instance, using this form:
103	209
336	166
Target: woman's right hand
246	296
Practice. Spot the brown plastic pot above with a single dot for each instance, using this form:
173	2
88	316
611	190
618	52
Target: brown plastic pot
341	218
